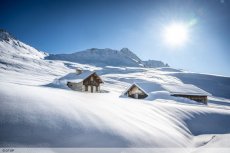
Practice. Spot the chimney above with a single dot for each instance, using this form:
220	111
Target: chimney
79	71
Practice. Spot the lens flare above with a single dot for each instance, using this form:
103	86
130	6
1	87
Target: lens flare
176	34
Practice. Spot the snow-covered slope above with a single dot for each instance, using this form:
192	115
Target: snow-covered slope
16	56
10	46
107	57
61	118
36	113
129	54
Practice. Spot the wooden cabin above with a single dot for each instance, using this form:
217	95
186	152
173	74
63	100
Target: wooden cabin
136	92
187	91
85	81
142	90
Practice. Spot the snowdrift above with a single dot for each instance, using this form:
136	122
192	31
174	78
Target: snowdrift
58	118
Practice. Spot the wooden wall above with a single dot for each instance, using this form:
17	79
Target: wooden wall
202	99
92	83
134	91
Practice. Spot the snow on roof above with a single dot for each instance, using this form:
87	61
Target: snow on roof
185	89
146	87
74	77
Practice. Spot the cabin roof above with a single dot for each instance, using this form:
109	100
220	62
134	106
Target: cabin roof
77	78
146	87
174	89
185	89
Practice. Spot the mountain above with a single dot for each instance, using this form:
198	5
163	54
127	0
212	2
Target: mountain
107	57
94	56
17	56
11	46
154	63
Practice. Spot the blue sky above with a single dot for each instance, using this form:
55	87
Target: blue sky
68	26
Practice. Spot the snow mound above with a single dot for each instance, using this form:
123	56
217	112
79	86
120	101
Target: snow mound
66	118
165	95
52	117
159	95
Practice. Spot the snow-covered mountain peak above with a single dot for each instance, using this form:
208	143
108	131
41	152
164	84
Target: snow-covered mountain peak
126	51
10	46
130	54
5	36
13	48
98	51
105	57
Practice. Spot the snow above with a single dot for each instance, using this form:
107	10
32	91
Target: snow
33	114
75	115
147	87
169	69
74	77
185	89
20	49
165	95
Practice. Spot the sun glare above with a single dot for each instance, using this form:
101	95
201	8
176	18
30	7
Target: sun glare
176	34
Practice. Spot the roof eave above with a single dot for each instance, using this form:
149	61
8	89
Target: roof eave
188	94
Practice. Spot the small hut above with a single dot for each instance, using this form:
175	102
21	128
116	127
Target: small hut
86	81
187	91
142	89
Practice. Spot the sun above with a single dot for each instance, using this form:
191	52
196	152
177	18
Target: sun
176	34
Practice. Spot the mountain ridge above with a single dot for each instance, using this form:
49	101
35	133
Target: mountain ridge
107	57
11	46
93	56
